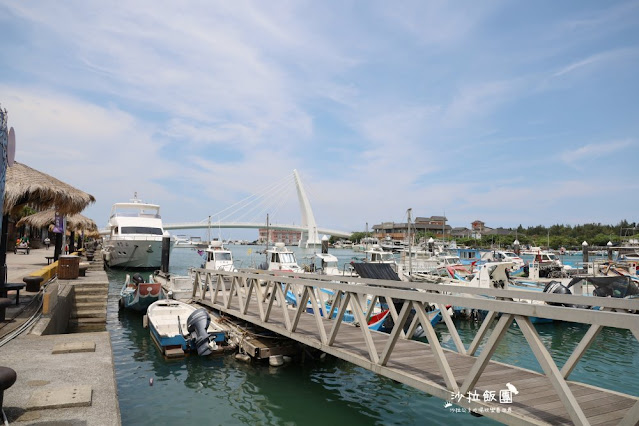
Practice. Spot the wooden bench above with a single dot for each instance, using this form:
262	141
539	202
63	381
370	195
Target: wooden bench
12	286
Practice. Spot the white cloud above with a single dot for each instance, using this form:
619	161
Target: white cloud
603	58
103	151
438	23
595	151
148	96
479	100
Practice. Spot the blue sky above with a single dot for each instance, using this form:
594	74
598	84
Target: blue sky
508	112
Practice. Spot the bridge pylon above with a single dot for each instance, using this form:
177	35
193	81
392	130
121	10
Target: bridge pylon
310	237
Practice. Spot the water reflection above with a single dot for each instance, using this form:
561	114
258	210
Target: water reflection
611	362
224	391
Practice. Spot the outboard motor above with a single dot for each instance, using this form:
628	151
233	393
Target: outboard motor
197	325
555	287
137	279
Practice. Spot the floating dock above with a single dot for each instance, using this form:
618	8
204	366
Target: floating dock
460	377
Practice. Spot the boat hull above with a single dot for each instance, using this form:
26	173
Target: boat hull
138	253
167	321
140	297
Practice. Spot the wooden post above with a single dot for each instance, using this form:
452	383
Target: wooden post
58	247
3	250
166	248
72	242
584	249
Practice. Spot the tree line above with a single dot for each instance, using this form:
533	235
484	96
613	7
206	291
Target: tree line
555	236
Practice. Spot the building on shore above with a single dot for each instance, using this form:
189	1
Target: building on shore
479	229
399	231
286	236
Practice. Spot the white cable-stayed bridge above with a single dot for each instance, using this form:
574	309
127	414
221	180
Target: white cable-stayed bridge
252	211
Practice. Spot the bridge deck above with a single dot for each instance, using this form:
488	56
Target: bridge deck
413	363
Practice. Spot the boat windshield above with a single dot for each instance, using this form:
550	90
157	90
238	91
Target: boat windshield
140	230
223	256
287	258
510	254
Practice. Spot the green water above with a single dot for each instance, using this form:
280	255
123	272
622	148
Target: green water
211	391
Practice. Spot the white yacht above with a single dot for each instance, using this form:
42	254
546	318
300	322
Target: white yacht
375	254
219	258
135	236
328	264
280	258
184	241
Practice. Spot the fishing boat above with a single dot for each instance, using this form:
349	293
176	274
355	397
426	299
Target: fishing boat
376	322
219	258
434	316
138	295
178	328
184	241
134	237
375	254
281	258
328	264
365	243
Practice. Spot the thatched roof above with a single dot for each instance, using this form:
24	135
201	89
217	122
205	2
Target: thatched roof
76	222
26	185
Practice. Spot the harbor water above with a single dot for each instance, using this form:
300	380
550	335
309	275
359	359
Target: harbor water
221	390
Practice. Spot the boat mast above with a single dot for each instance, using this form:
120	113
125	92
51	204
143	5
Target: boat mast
410	246
366	237
267	238
209	230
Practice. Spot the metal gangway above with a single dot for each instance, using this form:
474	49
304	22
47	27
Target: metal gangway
462	375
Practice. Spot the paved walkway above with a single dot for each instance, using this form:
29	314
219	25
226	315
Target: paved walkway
74	387
20	265
45	377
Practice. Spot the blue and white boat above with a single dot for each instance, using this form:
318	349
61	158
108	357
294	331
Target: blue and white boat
178	328
138	295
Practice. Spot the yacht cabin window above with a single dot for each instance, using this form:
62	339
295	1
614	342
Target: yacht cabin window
141	230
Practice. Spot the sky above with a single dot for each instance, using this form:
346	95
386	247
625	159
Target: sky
506	112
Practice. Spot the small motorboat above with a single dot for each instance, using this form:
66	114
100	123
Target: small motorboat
138	295
178	328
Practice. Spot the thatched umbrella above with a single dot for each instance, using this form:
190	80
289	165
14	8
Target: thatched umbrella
26	185
76	222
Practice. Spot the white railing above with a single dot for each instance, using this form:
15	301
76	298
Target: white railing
240	291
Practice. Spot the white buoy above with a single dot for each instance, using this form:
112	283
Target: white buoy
287	359
243	357
276	360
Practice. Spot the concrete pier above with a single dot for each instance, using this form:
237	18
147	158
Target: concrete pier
75	386
61	378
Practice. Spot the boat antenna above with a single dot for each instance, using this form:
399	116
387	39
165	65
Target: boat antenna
209	230
267	238
410	246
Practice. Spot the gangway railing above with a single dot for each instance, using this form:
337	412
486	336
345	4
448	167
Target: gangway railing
261	297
